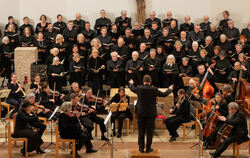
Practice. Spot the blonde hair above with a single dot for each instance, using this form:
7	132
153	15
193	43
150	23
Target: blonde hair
177	43
203	51
59	36
54	50
80	35
95	39
54	60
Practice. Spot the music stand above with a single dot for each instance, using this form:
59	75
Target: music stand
107	123
51	141
5	126
200	143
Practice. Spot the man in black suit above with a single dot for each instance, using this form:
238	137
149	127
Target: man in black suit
239	132
146	110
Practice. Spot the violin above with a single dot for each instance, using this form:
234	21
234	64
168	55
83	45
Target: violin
93	98
194	92
180	101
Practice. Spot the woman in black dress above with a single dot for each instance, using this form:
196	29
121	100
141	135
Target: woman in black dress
25	122
42	46
42	26
77	70
120	97
6	56
27	40
16	92
56	75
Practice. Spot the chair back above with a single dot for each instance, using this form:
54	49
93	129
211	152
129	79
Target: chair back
56	131
9	131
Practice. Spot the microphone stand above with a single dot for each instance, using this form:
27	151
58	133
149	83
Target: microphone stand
51	134
5	126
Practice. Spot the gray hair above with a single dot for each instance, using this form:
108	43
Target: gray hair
227	88
30	95
5	38
195	43
223	35
233	105
135	52
171	56
54	59
153	50
65	106
113	53
208	38
123	11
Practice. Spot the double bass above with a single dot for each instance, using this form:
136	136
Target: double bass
242	94
207	90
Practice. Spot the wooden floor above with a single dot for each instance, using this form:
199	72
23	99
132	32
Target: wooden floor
123	147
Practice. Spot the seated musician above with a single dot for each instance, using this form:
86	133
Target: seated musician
75	89
36	85
77	107
239	132
194	94
39	110
120	97
182	111
25	122
234	75
55	73
134	68
221	105
49	98
16	92
92	102
70	128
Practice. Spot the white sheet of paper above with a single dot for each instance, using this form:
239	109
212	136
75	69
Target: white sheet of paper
108	117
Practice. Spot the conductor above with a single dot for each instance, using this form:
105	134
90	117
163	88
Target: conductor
146	110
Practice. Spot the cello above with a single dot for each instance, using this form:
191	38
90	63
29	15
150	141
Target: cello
212	120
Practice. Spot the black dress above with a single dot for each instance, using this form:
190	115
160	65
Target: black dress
58	80
24	128
120	115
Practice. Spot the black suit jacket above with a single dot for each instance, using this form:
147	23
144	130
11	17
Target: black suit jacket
239	123
146	103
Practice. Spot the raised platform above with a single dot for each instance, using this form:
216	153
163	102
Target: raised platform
134	153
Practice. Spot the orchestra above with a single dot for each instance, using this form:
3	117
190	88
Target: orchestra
205	66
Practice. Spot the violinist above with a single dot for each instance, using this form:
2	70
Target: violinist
78	107
182	111
75	89
50	98
120	97
92	102
70	128
239	132
25	122
194	94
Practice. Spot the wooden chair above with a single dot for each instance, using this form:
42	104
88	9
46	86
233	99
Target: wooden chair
45	122
11	139
73	141
4	94
127	124
236	147
191	123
